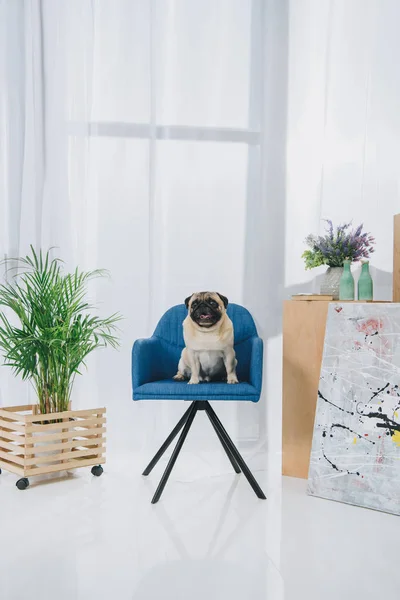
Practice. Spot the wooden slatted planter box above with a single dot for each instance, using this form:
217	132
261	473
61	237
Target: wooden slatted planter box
36	444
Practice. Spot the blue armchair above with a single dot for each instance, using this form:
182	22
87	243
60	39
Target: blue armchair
155	361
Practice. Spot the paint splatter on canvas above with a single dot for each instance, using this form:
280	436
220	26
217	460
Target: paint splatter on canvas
355	454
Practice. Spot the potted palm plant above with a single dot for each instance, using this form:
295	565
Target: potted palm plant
47	330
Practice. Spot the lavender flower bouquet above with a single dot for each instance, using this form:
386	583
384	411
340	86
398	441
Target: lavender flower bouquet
337	246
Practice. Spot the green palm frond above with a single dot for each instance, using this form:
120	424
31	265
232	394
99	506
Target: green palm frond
47	328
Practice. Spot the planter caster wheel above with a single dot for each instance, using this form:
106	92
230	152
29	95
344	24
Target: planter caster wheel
97	471
22	484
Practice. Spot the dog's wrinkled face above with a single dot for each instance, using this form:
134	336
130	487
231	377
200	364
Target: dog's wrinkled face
206	308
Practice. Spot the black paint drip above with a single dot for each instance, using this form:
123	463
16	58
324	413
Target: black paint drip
361	437
375	394
337	468
349	412
388	424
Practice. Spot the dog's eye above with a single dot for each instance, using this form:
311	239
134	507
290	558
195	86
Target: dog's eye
194	304
213	303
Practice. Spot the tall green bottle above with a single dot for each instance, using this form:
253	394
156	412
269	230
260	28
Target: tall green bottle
365	283
346	285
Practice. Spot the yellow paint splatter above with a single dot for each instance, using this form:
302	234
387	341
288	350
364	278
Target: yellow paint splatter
396	414
396	438
355	440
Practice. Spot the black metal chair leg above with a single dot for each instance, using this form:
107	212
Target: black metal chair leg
229	454
175	454
167	442
246	471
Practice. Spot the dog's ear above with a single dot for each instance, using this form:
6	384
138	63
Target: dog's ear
187	300
224	299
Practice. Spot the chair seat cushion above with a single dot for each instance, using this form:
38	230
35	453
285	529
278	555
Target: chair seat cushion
168	389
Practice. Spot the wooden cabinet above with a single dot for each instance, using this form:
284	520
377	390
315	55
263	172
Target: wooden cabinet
303	343
304	323
396	259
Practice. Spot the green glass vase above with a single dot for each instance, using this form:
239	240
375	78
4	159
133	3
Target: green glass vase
346	285
365	283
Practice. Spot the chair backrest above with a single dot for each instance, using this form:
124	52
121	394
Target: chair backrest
170	331
170	328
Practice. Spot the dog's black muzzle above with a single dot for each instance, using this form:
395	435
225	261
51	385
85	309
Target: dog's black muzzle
205	314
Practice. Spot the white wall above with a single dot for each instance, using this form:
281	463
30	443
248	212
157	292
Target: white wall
331	148
343	125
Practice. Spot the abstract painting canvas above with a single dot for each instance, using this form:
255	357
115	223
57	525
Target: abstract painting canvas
355	455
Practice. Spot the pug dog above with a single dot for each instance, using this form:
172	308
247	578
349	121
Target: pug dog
208	333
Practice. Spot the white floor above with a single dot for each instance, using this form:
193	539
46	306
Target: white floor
82	537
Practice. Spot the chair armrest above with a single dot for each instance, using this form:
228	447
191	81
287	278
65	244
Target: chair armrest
146	361
256	362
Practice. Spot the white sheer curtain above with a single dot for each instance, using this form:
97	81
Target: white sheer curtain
130	139
187	144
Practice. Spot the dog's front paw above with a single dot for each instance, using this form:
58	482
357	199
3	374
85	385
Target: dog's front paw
232	378
193	381
179	377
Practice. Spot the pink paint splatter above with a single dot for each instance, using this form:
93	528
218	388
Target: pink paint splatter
370	326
